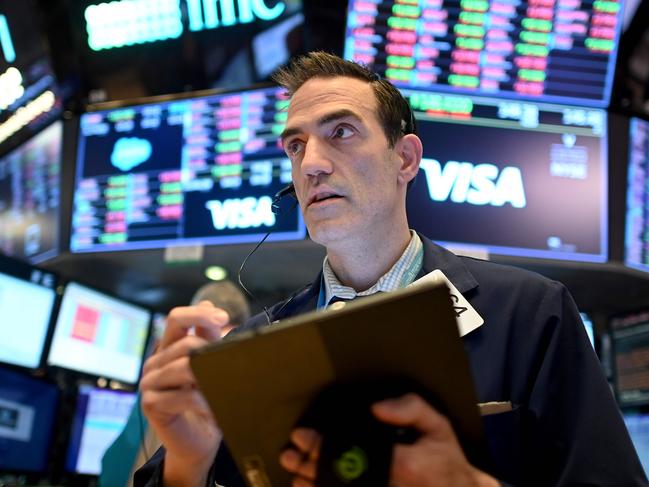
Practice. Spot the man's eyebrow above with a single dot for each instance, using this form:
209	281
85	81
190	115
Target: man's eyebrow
324	120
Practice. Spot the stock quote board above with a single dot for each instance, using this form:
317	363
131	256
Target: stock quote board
637	208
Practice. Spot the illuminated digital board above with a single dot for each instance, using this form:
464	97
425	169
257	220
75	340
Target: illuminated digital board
549	50
199	170
637	208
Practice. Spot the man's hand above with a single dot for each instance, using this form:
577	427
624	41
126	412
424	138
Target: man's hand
435	459
171	402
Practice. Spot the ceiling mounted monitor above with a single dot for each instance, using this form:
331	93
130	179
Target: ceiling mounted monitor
548	50
637	205
30	195
199	170
511	177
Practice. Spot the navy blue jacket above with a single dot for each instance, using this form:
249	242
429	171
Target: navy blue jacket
532	350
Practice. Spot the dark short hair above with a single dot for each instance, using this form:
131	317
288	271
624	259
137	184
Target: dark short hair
393	111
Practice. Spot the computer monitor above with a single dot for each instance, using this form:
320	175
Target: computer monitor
511	177
630	346
29	196
590	329
27	420
637	204
562	53
100	417
201	170
27	303
99	335
637	423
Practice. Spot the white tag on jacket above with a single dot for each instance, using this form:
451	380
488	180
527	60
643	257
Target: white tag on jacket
466	316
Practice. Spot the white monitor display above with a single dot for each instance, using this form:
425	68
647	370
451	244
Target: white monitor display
27	297
99	419
99	335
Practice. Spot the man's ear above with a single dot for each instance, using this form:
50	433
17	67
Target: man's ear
410	150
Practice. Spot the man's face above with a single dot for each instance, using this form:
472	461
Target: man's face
344	172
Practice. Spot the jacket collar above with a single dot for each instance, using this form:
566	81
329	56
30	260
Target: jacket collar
436	257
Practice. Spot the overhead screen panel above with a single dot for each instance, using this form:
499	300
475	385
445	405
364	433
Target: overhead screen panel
99	335
637	209
27	297
29	197
549	50
511	177
201	170
100	417
27	418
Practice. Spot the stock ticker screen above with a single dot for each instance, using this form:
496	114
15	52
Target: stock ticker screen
630	340
200	170
637	209
29	196
511	177
548	50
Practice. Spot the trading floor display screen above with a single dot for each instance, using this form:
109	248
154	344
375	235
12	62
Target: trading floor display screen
637	208
549	50
637	423
29	197
99	419
99	335
200	170
630	338
27	299
511	177
27	420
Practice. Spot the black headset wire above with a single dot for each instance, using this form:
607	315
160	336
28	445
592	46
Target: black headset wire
286	191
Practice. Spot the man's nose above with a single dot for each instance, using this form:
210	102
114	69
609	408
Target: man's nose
316	158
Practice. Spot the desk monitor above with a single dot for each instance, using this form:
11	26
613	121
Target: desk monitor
200	170
511	177
99	418
630	346
636	241
557	51
27	420
29	196
27	301
637	423
99	335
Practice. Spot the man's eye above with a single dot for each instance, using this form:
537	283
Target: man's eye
293	148
343	132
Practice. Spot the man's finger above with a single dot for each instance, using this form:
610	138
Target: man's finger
180	348
294	462
308	441
205	318
412	410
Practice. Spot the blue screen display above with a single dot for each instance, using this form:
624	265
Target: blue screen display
503	176
27	418
27	299
637	207
100	416
200	170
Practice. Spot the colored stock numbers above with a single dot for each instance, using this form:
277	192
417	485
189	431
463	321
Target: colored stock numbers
203	169
637	210
549	50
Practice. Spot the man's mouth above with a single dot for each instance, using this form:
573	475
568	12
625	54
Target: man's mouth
323	196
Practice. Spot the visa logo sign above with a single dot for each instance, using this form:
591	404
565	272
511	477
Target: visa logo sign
247	212
475	184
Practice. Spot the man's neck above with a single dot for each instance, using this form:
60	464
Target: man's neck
360	266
